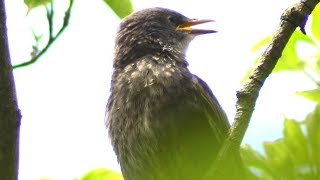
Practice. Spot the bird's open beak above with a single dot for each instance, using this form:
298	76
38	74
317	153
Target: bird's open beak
186	27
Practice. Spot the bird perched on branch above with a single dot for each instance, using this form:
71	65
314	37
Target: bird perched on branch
164	121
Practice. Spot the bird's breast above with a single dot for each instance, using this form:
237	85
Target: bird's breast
144	74
145	87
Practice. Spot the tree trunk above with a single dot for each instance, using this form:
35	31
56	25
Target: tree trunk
9	113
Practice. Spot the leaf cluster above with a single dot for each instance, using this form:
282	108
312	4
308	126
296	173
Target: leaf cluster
294	156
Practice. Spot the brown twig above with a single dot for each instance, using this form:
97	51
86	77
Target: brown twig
52	38
50	14
293	17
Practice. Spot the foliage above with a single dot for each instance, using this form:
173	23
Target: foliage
36	3
312	95
295	156
102	174
316	23
120	8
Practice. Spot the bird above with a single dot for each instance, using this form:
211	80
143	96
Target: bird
163	121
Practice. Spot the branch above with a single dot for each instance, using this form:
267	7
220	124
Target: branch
50	14
293	17
52	38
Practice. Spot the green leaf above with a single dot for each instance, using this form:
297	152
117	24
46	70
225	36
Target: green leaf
295	156
276	152
102	174
36	3
278	159
289	61
248	73
122	8
313	95
265	41
253	159
296	142
315	24
317	64
313	133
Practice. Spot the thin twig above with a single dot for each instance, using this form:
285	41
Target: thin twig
50	14
52	38
293	17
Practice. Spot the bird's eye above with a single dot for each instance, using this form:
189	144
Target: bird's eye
173	20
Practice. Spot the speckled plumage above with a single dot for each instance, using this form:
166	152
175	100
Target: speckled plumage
164	122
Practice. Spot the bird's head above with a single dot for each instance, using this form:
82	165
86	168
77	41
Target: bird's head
155	31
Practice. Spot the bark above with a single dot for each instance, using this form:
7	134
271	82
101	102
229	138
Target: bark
9	113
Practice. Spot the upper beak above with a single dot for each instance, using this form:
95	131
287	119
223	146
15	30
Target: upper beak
186	27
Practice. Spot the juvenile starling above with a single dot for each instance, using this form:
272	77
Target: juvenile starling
164	121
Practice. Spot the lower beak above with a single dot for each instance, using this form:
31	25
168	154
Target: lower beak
186	27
